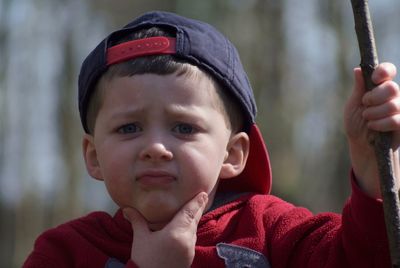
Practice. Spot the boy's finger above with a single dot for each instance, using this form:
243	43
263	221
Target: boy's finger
189	215
137	221
385	71
381	111
386	124
381	94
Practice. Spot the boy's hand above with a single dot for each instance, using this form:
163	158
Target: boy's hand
377	110
173	245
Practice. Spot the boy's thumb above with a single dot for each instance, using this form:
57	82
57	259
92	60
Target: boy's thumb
136	219
190	214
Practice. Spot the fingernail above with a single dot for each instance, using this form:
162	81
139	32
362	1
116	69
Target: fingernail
124	214
204	197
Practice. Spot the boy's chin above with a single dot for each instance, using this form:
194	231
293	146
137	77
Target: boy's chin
157	226
158	223
159	218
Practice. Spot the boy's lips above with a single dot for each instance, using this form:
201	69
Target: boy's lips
154	178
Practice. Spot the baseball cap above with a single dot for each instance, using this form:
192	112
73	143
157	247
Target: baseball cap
199	44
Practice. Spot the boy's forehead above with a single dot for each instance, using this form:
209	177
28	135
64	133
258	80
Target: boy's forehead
186	88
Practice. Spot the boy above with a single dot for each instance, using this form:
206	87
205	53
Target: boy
169	118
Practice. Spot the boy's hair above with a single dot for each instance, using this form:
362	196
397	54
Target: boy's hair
162	65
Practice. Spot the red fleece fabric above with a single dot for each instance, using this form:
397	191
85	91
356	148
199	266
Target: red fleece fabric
286	235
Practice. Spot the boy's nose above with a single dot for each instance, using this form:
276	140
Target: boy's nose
156	151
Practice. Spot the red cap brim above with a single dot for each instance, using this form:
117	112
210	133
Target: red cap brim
257	174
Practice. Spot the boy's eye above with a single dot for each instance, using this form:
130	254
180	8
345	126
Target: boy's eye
184	129
129	128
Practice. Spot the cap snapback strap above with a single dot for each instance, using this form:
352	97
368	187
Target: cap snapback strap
141	47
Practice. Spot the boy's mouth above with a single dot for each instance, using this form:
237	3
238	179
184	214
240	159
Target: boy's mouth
153	178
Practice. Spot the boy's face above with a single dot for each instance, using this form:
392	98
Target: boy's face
159	140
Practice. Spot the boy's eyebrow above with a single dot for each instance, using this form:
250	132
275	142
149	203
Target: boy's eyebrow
184	110
126	112
173	110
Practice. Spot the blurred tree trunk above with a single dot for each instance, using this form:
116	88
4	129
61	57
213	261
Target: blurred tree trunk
33	169
41	163
121	12
269	70
7	216
333	14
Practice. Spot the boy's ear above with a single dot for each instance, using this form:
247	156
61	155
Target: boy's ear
237	153
90	156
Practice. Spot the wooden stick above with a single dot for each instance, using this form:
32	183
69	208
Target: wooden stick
381	141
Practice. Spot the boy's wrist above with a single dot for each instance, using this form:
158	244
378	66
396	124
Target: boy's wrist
365	170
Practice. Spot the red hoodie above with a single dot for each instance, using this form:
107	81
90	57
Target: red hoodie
251	231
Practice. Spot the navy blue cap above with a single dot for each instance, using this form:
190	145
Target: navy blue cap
202	45
197	42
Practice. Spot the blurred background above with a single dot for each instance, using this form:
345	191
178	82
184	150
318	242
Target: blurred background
299	56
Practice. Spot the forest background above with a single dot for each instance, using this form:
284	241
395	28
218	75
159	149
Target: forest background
299	56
